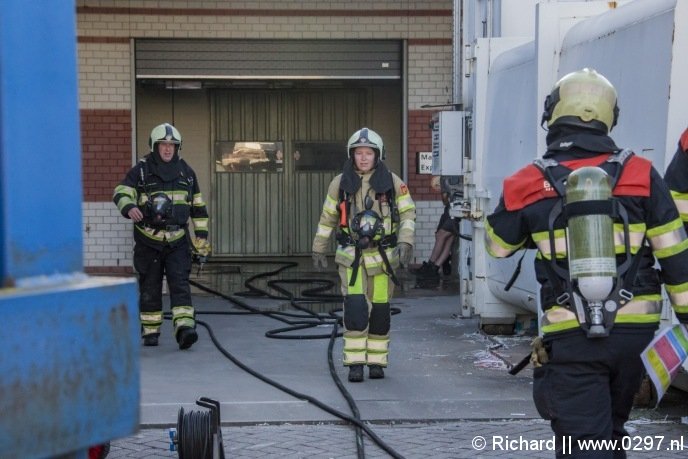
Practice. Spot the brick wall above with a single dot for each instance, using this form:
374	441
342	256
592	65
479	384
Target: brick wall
106	151
108	239
105	31
429	206
430	72
104	73
106	157
420	139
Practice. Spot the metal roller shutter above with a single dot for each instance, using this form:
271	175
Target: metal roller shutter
268	59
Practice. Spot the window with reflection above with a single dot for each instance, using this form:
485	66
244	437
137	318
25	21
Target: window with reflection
319	156
249	156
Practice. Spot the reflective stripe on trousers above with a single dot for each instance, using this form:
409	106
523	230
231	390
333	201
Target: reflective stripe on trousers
361	346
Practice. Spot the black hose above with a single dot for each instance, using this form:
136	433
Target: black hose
300	396
331	319
347	396
309	320
194	435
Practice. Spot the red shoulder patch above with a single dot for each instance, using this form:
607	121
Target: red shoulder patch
635	178
403	189
525	187
528	185
684	140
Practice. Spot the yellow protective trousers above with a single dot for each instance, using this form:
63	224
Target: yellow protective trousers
367	317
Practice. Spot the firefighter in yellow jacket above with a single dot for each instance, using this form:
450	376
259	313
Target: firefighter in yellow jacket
371	212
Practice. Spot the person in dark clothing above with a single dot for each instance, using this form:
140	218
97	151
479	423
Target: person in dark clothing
159	195
445	236
676	177
587	362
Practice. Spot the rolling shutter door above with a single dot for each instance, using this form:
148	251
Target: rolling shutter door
268	59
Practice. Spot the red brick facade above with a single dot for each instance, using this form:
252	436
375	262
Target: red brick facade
106	151
419	139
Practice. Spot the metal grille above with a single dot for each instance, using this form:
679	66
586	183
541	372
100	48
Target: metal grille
276	213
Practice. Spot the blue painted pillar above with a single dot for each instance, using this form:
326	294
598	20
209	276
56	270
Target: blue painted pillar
70	342
41	162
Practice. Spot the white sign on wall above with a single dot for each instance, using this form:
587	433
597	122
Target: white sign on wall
424	162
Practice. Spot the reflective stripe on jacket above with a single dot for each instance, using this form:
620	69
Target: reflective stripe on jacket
186	198
371	258
522	220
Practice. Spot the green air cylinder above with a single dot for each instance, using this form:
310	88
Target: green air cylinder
590	238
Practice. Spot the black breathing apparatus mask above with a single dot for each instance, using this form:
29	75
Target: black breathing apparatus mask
367	226
158	209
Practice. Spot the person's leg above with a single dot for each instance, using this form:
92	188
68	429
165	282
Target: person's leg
446	249
356	315
452	226
148	265
626	378
572	392
177	269
430	267
380	288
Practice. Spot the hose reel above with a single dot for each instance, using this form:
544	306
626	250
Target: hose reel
198	434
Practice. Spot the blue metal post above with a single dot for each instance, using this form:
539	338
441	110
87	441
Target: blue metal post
41	178
69	356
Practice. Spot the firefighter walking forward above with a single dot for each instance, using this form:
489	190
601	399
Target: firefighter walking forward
371	212
598	216
159	194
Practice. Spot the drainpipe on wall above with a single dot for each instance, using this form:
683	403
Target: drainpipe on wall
404	105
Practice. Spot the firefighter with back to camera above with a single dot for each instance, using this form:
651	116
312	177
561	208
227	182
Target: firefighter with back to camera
370	210
159	194
676	177
598	216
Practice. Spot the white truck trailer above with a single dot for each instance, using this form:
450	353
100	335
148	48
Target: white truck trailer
509	53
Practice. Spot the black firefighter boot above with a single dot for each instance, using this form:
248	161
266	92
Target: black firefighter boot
151	339
356	373
186	336
375	372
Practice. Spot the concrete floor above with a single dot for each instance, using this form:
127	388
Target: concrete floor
441	366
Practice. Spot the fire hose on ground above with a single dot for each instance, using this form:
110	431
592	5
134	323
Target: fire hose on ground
198	433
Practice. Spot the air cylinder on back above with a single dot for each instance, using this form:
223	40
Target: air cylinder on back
590	238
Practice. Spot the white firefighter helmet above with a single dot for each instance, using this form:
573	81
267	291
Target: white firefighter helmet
167	133
365	137
583	98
